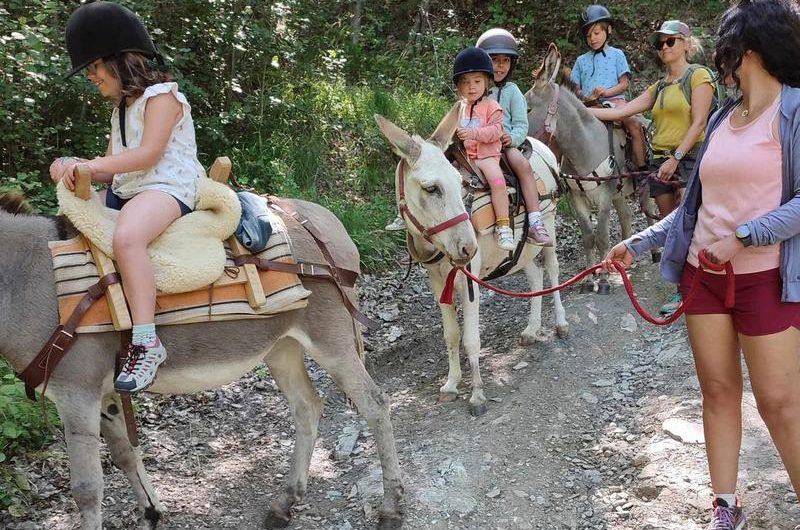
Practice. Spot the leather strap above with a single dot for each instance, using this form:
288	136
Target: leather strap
309	270
39	370
127	406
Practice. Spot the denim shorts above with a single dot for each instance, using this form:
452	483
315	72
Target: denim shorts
115	202
681	176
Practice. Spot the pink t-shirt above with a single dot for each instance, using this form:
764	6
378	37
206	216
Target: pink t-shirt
486	121
741	177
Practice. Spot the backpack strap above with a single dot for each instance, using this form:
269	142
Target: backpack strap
686	81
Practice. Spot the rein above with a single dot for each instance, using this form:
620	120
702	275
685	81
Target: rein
705	264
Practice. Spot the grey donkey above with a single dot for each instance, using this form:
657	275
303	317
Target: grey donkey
583	141
201	356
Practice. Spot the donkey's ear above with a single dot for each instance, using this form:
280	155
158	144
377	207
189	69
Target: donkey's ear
550	69
443	135
403	144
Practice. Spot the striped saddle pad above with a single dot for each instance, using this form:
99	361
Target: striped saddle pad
225	299
482	215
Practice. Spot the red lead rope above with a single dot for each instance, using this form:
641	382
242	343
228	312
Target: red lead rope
705	263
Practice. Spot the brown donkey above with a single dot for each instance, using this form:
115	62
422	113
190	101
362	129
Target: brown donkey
202	356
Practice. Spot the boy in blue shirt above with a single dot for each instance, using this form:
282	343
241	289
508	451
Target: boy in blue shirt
603	73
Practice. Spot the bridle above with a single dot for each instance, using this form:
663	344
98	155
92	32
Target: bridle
426	233
548	128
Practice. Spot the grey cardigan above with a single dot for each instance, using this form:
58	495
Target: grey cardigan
782	224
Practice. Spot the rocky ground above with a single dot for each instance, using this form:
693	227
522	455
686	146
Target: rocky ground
601	430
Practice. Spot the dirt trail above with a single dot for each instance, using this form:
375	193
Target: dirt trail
601	430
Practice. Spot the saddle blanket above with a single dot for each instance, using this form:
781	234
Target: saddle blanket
225	299
482	214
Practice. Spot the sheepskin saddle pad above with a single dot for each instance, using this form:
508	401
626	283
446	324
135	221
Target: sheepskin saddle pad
74	271
188	255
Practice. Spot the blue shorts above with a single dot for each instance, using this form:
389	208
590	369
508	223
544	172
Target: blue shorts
115	202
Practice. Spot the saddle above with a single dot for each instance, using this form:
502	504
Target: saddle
199	277
477	195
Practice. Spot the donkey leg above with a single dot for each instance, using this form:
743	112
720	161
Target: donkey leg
625	215
80	413
347	370
452	337
285	363
583	216
472	347
129	459
533	271
551	264
603	228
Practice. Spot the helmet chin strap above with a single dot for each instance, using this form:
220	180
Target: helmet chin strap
123	78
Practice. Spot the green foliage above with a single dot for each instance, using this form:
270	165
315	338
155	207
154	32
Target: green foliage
21	426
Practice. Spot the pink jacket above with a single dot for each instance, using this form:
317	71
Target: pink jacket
485	121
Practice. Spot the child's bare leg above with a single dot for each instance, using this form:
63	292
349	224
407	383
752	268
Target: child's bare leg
141	220
527	180
634	128
497	185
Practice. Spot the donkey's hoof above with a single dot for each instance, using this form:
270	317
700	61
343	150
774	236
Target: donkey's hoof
655	256
276	520
527	339
478	410
390	522
562	331
604	287
447	397
151	517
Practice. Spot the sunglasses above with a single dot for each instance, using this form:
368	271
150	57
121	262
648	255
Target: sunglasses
670	42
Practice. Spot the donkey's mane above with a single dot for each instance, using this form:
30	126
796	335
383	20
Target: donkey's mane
567	82
15	203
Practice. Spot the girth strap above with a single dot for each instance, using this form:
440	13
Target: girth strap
39	370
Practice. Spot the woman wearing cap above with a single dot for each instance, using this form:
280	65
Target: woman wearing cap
742	207
150	165
502	48
679	124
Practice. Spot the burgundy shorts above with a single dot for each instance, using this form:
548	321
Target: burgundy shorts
757	310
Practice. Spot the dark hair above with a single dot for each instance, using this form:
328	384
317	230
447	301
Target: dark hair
136	72
771	28
604	24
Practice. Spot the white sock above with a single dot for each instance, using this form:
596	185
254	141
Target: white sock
534	217
144	334
729	498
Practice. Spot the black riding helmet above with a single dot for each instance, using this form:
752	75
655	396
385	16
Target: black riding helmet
103	29
472	60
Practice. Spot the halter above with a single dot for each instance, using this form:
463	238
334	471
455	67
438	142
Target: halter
408	216
550	121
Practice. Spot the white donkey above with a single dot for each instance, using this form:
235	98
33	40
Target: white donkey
584	143
429	197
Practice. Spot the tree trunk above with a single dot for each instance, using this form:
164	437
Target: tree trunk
355	23
420	23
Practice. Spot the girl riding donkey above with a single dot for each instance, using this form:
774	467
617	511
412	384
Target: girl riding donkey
502	48
150	163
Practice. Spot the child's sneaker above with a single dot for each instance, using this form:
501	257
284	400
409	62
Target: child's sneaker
140	367
505	238
537	234
397	225
727	517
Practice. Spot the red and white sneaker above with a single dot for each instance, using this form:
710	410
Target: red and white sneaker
537	234
140	367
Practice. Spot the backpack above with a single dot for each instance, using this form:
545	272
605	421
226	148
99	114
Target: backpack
720	94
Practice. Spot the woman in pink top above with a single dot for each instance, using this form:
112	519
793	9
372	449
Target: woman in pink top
481	130
742	206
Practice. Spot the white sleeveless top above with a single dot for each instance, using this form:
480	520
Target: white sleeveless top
178	170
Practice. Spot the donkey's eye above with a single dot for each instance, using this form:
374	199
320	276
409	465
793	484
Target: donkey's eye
433	189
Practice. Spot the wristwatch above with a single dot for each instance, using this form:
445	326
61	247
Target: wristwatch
678	155
743	235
